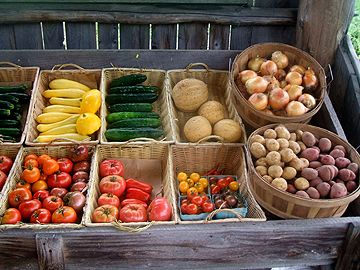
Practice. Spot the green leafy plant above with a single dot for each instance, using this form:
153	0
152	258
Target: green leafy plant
354	29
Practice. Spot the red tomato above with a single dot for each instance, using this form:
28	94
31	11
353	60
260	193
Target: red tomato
41	195
105	214
192	209
20	183
31	162
133	201
65	165
41	216
222	183
79	153
30	156
59	192
64	214
215	189
197	200
207	207
31	174
11	216
111	167
78	186
41	159
114	184
50	166
205	198
80	176
133	213
52	203
110	199
18	196
59	180
159	210
39	185
3	178
184	208
28	207
81	166
229	179
5	164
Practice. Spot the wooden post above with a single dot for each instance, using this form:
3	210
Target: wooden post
321	25
50	251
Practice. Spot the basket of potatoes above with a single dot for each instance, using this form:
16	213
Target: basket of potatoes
302	171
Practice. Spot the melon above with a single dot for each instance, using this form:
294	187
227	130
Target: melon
189	94
213	111
228	129
197	128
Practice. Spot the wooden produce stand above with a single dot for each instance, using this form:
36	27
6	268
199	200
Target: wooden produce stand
330	243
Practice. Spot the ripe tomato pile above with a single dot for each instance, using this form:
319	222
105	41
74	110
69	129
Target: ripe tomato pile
50	189
5	167
126	200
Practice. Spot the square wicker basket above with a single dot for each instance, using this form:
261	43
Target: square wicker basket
11	151
89	77
14	75
202	158
147	158
155	77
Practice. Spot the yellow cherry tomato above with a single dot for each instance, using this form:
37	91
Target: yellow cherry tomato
195	177
190	182
182	176
204	182
191	192
183	186
234	186
199	187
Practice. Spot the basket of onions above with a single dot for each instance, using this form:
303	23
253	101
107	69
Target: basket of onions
277	83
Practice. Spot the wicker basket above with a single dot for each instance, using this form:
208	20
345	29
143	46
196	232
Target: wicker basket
11	151
53	151
219	90
14	75
89	77
201	158
155	77
257	118
287	205
145	158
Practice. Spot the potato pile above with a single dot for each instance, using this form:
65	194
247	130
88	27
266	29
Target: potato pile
302	164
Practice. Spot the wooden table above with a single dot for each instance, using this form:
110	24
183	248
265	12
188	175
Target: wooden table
227	245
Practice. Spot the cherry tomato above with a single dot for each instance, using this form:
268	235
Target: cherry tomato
199	187
192	209
183	186
59	180
5	164
41	216
111	167
207	207
30	156
190	182
64	214
204	182
31	174
110	199
197	200
222	183
191	192
105	214
234	186
183	208
18	196
50	166
205	198
11	216
3	178
65	165
28	207
184	201
31	162
215	190
39	185
229	179
212	180
41	195
52	203
22	183
41	159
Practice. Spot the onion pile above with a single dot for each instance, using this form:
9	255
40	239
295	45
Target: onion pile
277	88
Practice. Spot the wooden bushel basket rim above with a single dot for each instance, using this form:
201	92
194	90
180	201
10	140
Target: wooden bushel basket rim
284	48
307	202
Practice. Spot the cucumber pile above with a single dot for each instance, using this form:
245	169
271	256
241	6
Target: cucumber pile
12	100
130	107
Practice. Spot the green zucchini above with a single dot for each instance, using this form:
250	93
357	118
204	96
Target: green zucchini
114	117
131	107
13	132
131	79
5	112
124	134
134	89
21	88
15	116
136	122
6	105
4	138
131	98
21	96
10	123
9	98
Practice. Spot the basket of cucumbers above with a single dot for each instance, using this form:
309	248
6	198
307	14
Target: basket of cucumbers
16	87
135	106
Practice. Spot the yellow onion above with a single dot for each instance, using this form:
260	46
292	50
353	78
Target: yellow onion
298	68
294	91
246	74
310	81
273	82
255	63
259	101
268	68
267	111
294	77
280	59
280	75
256	85
308	100
295	108
283	84
278	99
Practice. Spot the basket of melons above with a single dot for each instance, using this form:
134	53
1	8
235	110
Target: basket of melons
277	83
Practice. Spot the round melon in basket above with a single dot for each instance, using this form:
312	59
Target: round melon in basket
302	171
277	87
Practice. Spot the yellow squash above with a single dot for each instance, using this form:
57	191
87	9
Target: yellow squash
52	117
45	127
49	138
91	101
75	102
61	108
65	83
64	93
88	123
70	128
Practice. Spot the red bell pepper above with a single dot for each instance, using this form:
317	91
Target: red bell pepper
132	183
136	193
132	201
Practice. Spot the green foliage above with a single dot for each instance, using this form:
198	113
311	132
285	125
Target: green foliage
354	29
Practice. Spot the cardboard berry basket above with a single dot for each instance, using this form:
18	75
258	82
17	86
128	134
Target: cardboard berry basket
219	90
149	163
10	151
88	77
155	77
201	159
58	151
13	75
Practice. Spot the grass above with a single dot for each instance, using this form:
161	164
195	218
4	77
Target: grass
354	29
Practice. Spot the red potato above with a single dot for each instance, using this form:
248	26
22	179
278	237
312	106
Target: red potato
311	154
342	162
351	186
327	160
347	175
315	164
324	189
313	193
337	180
315	182
335	153
309	173
308	138
324	145
303	194
337	191
331	183
340	147
353	167
291	189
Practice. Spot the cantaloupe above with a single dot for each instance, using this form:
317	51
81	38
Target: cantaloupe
213	111
228	129
197	128
189	94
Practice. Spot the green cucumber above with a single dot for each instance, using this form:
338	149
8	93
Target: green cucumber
131	79
136	122
131	107
13	132
21	96
21	88
4	138
134	89
131	98
5	112
9	123
113	117
124	134
6	105
9	98
17	108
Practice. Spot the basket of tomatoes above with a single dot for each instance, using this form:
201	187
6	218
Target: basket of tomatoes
48	187
7	158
